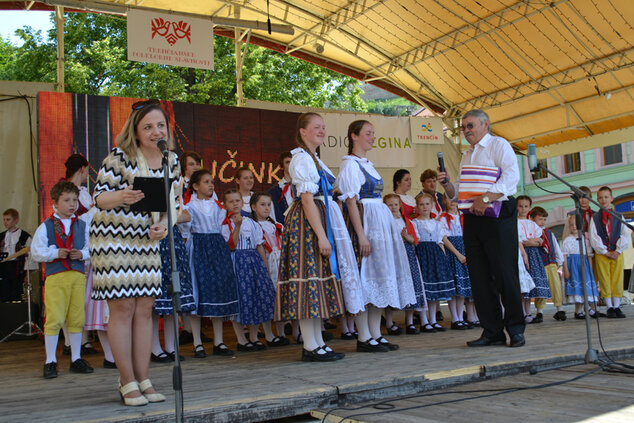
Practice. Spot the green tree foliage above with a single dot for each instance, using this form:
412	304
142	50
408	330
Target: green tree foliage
95	49
397	106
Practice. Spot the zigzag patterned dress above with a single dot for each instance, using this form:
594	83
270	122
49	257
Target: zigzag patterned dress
126	262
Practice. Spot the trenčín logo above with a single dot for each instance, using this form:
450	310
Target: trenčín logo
171	31
426	127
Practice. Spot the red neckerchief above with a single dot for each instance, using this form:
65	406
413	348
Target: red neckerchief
60	231
436	204
448	217
431	215
229	222
546	244
284	191
187	196
278	237
607	220
410	228
587	215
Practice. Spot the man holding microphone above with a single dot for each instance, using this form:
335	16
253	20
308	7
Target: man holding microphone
491	243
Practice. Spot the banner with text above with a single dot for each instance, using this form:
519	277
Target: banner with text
426	130
170	39
392	146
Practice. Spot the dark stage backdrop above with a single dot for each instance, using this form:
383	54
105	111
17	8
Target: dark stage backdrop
226	137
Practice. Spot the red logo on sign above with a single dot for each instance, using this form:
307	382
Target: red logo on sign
171	31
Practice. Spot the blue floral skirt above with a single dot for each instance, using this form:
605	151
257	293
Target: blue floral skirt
436	270
459	270
538	273
163	303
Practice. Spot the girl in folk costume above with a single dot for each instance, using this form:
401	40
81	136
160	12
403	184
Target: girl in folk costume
385	275
256	292
163	302
402	182
410	239
572	270
526	281
272	233
434	263
97	313
214	282
244	182
451	226
532	242
318	266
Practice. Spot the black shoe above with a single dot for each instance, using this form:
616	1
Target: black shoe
439	316
248	347
517	340
601	314
66	350
88	349
315	356
327	336
185	338
109	364
539	318
458	326
259	346
222	350
348	336
411	330
611	313
199	351
394	330
337	355
474	324
619	313
428	328
560	315
80	366
484	341
172	356
278	342
580	316
161	358
386	343
438	327
368	347
50	370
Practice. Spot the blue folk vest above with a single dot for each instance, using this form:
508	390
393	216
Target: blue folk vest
79	238
615	230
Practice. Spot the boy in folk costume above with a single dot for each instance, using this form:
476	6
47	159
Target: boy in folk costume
61	243
609	238
553	259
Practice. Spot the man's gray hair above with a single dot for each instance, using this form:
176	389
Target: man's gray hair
478	114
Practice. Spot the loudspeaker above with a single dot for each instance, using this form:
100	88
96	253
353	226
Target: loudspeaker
13	315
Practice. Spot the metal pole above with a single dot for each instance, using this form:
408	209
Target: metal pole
59	25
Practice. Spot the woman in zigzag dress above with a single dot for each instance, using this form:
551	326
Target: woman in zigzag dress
124	246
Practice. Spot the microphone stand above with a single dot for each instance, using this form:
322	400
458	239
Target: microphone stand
177	374
591	354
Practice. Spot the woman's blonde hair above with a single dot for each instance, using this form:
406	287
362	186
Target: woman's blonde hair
302	123
127	140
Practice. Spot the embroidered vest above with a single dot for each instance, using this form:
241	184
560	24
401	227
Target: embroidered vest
79	237
549	257
372	188
615	230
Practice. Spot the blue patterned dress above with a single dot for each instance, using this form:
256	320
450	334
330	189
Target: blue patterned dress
434	264
414	267
535	261
214	282
574	284
163	303
256	292
452	228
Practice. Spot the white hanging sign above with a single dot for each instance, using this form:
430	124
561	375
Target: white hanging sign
170	39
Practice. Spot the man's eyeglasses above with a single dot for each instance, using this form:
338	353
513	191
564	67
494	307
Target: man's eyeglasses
467	126
141	104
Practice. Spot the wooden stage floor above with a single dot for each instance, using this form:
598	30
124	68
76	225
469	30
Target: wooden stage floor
576	394
274	384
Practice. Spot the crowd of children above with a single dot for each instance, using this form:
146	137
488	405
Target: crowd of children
297	255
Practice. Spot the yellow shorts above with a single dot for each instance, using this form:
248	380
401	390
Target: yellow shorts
64	297
610	275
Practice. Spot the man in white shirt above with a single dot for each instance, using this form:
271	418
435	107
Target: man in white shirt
491	244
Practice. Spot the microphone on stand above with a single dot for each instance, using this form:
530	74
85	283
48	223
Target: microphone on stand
441	164
162	145
533	164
